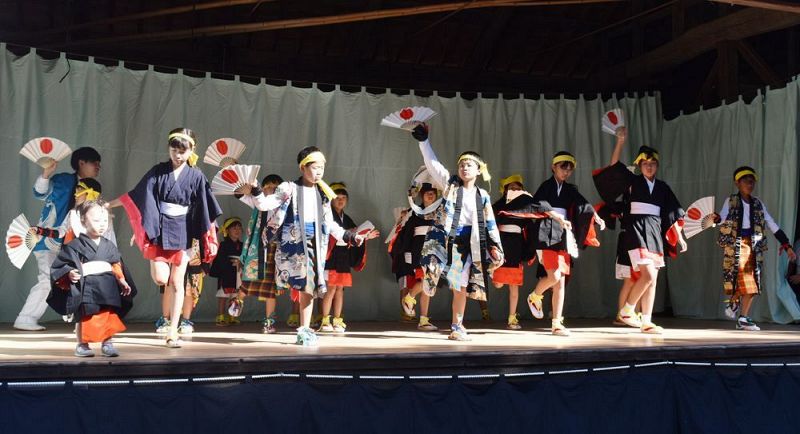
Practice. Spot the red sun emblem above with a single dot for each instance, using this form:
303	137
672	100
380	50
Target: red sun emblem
222	147
230	176
14	241
46	145
694	213
406	114
613	118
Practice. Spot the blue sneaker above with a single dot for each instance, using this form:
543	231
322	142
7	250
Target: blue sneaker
458	333
108	349
162	325
306	337
83	350
185	327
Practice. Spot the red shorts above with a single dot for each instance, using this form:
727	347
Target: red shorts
413	279
156	253
339	279
508	276
555	260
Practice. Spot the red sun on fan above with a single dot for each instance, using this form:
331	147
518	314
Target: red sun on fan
14	241
694	213
613	118
230	176
222	147
46	145
406	113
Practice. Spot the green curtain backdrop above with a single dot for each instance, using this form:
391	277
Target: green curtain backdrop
125	114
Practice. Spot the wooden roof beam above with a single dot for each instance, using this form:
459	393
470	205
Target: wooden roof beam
781	6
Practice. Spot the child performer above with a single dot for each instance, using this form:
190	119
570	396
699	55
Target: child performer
88	280
86	189
406	252
258	258
514	235
463	245
302	222
227	268
342	258
168	208
741	236
552	240
652	215
57	192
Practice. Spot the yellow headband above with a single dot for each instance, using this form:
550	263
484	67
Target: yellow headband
510	180
314	157
739	175
228	223
338	186
643	156
483	169
186	137
91	194
568	158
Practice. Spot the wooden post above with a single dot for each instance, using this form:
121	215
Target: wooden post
728	71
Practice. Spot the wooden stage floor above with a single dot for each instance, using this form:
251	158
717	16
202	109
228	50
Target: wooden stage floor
388	347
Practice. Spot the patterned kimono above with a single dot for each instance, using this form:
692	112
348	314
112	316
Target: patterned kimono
743	248
460	253
302	240
258	256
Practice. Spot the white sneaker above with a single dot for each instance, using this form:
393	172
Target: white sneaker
28	326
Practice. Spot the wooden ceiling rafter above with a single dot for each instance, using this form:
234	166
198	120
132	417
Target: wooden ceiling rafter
772	5
228	29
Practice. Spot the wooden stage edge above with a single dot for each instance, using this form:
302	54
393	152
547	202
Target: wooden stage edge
389	348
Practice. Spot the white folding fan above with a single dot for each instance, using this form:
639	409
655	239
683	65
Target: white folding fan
45	150
408	118
230	179
20	242
224	152
699	216
365	228
613	120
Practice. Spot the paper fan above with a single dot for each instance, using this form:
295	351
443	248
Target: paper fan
45	150
699	216
364	228
20	242
230	179
408	118
224	152
612	120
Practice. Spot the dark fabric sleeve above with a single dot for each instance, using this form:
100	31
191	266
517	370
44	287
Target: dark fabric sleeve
612	181
582	219
64	295
205	211
671	215
526	207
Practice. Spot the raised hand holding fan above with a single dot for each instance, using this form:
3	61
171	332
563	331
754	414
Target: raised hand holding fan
408	118
45	151
20	241
232	179
699	216
224	152
613	120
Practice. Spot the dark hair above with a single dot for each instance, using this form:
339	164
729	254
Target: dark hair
85	153
271	179
180	142
473	154
93	184
340	190
305	151
563	164
89	204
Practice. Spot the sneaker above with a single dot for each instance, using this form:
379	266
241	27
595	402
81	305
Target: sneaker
338	325
293	320
235	307
485	315
83	350
513	322
558	329
316	321
162	325
746	323
535	304
306	337
629	317
108	349
651	329
186	327
425	324
458	333
173	342
325	324
408	304
28	326
221	320
268	326
732	309
635	320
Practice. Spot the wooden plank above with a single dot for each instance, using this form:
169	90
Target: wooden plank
738	25
758	64
780	6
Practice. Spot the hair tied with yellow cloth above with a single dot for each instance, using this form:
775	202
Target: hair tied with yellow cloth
483	169
505	182
230	221
89	192
564	157
646	153
743	171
